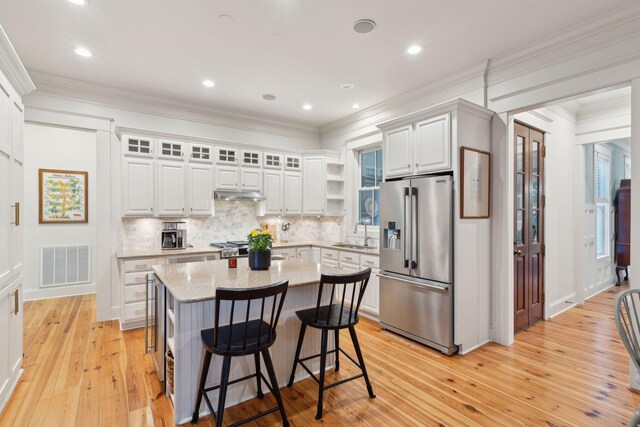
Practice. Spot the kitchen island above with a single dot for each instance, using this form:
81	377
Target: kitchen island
189	291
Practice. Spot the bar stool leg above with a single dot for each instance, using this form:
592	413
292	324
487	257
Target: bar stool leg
258	376
337	340
224	382
274	384
303	329
323	364
204	371
356	345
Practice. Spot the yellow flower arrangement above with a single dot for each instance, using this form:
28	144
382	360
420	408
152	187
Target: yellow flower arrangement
260	240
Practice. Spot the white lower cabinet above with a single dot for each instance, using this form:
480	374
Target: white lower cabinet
316	255
304	253
10	337
285	252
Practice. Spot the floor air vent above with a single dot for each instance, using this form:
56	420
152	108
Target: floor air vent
65	265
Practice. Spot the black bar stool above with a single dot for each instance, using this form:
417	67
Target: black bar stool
242	339
334	317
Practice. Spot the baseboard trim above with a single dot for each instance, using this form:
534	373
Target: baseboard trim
462	351
561	305
61	292
599	288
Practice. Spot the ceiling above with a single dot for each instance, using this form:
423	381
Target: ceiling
299	50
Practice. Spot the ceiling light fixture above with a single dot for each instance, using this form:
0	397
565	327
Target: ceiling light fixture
78	2
355	106
268	97
307	107
347	85
414	49
208	83
364	26
86	53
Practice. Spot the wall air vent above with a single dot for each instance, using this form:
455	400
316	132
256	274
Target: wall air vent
65	265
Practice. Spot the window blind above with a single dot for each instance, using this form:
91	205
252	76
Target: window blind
602	177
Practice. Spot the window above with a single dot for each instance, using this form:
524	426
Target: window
627	167
369	189
602	194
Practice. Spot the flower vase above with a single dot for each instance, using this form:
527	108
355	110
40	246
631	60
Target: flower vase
259	260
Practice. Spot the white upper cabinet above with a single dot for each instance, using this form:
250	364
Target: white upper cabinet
5	118
171	188
15	327
138	192
6	217
398	151
17	208
200	153
227	156
313	182
171	150
227	178
139	147
251	180
292	193
251	158
200	190
17	118
292	163
274	192
273	161
417	148
432	145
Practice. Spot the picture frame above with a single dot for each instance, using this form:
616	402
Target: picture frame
475	187
63	196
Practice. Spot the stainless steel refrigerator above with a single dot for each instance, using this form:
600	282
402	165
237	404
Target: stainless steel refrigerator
416	260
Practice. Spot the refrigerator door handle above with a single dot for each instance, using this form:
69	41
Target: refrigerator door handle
406	254
419	284
414	228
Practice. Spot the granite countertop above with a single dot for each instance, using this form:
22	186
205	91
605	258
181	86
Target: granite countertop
157	252
198	281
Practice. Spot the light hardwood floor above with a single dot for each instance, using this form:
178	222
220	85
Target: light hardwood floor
571	370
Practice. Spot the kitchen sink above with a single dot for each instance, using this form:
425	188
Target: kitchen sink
350	246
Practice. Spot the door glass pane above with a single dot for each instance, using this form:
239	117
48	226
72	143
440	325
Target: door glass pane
367	205
378	167
520	190
534	226
519	227
534	192
534	157
520	154
368	169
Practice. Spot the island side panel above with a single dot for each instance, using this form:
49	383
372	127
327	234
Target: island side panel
191	318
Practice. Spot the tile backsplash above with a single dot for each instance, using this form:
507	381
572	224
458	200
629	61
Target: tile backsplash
232	221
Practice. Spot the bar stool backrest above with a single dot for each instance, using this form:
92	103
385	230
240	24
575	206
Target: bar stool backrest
628	322
352	287
269	298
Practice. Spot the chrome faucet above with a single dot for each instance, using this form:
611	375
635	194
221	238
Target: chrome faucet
366	222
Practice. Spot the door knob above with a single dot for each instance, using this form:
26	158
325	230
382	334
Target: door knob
518	252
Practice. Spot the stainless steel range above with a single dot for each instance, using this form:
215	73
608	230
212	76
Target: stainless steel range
242	247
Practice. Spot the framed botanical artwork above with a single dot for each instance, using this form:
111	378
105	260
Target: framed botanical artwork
475	176
63	196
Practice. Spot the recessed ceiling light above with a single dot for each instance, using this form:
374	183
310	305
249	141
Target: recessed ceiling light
83	52
78	2
268	97
355	106
414	49
307	107
347	85
364	26
208	83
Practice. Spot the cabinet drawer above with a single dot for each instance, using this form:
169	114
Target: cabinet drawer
288	252
134	293
369	261
330	263
140	264
349	267
349	257
134	311
330	254
135	278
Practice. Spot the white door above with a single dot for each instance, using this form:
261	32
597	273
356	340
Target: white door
313	198
398	152
370	301
227	178
251	180
273	191
17	226
292	193
200	190
171	197
432	145
138	192
15	328
6	218
6	306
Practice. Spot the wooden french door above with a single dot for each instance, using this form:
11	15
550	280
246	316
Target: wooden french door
528	245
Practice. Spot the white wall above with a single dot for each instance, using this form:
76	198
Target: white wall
49	147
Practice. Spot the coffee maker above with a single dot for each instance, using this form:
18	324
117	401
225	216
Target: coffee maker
174	235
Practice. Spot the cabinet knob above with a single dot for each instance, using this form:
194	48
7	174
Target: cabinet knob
408	165
416	164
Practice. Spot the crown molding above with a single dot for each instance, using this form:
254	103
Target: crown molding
12	67
63	87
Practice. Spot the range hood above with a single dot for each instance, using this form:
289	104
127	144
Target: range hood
238	195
